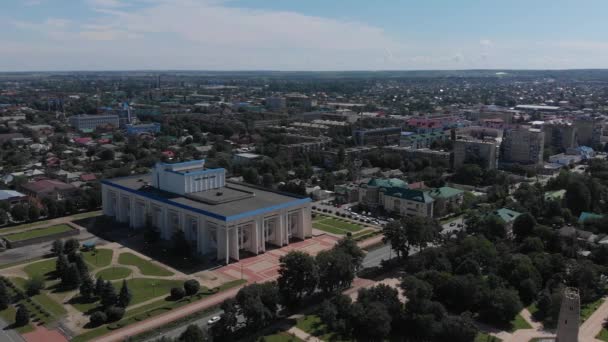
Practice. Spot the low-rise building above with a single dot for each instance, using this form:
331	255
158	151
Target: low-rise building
90	122
377	136
393	196
49	188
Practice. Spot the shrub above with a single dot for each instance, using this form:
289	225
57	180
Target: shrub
114	313
34	285
22	316
191	287
98	318
177	293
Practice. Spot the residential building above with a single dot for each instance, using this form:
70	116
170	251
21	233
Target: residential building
12	197
299	145
276	103
90	122
245	158
476	151
560	135
221	218
523	146
446	199
434	156
589	130
377	136
49	188
424	140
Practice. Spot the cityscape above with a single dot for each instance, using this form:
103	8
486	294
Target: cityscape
188	171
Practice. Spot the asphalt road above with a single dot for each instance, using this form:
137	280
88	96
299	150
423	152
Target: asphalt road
202	322
8	335
376	255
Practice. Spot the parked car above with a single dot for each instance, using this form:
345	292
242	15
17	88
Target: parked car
214	320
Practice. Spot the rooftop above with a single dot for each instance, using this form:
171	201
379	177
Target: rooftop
232	202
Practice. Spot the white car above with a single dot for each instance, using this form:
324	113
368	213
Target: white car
214	320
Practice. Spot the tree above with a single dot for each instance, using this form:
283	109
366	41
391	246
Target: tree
349	246
523	226
328	313
193	334
228	322
33	212
108	295
99	285
19	212
298	276
98	318
124	297
384	294
114	313
578	197
34	284
267	180
177	293
22	316
71	277
336	270
5	299
61	265
420	231
87	288
458	329
191	287
250	175
500	306
258	303
83	269
394	233
71	246
375	322
57	248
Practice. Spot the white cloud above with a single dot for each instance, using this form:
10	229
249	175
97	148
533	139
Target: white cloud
208	34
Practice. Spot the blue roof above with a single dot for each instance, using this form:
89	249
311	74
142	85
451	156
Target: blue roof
588	216
6	194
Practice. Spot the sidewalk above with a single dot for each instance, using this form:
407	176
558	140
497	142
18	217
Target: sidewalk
138	328
593	325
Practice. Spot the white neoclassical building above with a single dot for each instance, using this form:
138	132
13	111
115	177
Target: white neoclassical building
221	218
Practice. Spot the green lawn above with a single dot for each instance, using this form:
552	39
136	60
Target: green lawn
114	273
146	267
335	226
280	337
519	323
144	289
481	337
42	223
312	325
588	309
35	233
150	310
44	268
98	258
603	335
50	305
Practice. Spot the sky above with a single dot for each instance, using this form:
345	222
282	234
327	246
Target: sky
316	35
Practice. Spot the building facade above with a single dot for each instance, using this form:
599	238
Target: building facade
482	152
394	196
377	136
220	218
524	146
90	122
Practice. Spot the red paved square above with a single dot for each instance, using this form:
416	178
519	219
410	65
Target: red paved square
42	334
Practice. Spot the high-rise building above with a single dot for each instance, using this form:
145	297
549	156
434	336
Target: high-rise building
560	135
589	131
468	150
276	103
569	316
522	145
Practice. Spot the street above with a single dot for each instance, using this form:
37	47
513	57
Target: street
8	335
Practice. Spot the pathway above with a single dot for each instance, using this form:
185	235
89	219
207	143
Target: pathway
593	325
521	335
303	335
138	328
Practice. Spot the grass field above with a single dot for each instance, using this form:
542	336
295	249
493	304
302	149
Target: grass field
588	309
334	225
114	273
312	325
145	267
35	233
603	335
519	323
42	223
98	258
150	310
44	268
144	289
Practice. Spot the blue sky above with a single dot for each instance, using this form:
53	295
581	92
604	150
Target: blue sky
302	35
